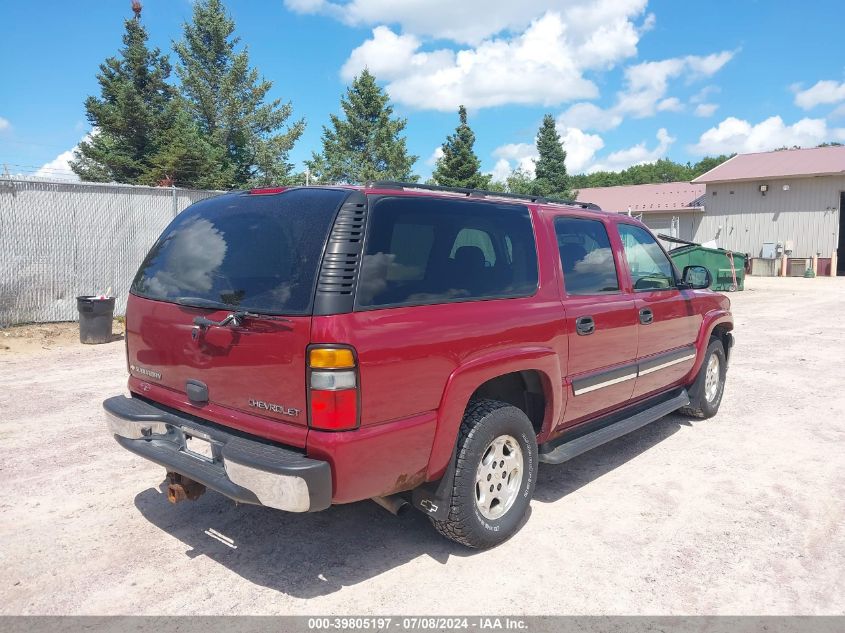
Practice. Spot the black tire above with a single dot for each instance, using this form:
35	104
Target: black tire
484	422
700	405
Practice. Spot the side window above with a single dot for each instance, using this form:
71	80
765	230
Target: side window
429	250
585	256
650	268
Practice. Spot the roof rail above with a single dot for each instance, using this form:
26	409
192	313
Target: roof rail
478	193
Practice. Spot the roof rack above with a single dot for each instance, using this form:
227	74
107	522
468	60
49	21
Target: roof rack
479	193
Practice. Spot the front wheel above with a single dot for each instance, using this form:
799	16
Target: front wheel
495	474
709	386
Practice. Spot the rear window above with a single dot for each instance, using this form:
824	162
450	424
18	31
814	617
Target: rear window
428	250
259	253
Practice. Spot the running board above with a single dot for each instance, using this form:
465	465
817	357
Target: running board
573	448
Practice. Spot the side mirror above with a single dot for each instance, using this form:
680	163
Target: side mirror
696	277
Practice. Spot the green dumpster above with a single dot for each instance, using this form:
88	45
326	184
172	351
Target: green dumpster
726	267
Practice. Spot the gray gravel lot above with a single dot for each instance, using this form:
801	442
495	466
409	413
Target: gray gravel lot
742	514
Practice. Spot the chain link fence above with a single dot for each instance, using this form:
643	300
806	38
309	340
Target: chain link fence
59	240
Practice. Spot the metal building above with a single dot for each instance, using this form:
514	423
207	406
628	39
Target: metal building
792	199
786	203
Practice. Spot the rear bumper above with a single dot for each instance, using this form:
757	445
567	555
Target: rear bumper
246	470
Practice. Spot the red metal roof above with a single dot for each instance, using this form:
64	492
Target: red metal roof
654	198
787	163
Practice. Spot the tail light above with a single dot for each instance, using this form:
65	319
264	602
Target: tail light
333	388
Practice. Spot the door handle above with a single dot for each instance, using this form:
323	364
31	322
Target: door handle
646	316
585	325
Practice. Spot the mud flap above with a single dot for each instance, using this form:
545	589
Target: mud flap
434	497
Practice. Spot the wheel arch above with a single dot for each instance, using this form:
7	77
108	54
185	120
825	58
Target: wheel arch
718	322
496	373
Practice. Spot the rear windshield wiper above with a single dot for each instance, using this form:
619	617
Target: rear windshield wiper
236	319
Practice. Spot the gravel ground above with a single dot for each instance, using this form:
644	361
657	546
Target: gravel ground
742	514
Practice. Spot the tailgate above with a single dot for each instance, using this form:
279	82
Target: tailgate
257	367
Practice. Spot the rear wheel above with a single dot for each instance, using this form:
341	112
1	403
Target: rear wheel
495	473
709	386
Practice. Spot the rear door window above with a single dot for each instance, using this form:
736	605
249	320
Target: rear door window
586	257
428	250
259	253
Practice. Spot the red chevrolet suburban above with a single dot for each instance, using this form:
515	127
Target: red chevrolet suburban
415	345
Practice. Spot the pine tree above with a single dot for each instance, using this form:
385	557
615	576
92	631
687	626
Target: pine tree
459	166
128	116
366	144
226	97
187	158
550	174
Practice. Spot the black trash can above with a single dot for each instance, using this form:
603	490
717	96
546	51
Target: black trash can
95	318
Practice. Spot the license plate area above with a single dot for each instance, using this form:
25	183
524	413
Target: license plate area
198	447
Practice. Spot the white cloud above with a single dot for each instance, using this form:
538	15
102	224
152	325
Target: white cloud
823	92
672	104
530	52
58	168
436	155
637	155
4	124
521	155
648	82
580	149
705	110
581	154
600	28
306	6
588	116
386	54
838	113
538	67
644	94
738	135
708	65
501	170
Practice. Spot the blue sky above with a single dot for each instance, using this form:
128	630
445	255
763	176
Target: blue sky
628	80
